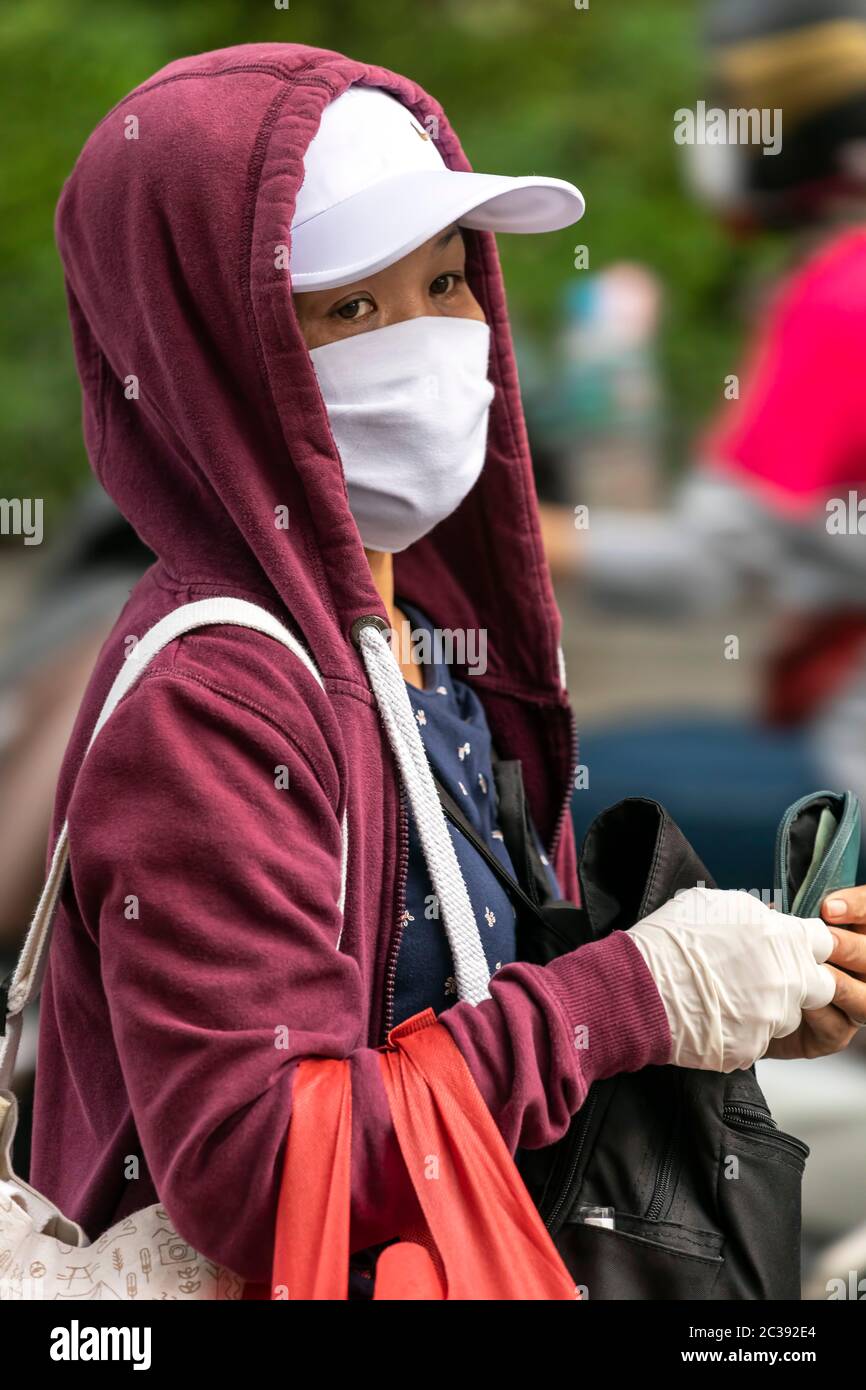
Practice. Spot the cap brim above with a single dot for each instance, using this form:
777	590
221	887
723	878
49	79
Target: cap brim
374	228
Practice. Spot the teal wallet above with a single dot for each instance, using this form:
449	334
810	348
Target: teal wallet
817	850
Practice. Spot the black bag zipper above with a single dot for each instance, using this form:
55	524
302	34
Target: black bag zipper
751	1116
578	1139
664	1180
660	1200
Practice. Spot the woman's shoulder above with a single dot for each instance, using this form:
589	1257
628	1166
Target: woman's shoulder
244	665
224	687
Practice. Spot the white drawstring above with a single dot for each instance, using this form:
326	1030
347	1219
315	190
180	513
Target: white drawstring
471	971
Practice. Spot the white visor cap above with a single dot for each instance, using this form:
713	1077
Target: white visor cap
375	187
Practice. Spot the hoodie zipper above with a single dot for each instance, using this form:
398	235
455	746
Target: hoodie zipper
566	804
397	936
374	620
578	1138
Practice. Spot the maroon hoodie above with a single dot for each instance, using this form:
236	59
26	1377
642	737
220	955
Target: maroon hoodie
200	917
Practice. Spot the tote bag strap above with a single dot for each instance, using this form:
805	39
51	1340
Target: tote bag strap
23	985
481	1236
488	1240
311	1239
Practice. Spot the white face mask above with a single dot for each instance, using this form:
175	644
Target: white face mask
408	407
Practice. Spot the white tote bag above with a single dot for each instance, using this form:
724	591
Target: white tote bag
43	1255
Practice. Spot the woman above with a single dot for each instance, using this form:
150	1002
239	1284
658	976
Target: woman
320	456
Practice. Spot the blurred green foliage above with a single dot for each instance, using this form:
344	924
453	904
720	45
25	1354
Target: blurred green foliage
530	85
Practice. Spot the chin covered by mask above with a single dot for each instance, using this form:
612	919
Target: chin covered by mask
408	406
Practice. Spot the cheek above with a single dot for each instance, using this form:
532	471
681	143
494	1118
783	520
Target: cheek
317	332
465	306
474	309
315	335
305	324
313	321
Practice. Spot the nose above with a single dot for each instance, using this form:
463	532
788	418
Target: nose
409	304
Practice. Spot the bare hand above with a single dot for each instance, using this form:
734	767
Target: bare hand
828	1030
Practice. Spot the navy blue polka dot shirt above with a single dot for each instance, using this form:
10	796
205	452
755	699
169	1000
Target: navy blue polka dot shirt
453	729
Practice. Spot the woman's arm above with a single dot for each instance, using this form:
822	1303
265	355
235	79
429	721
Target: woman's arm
213	892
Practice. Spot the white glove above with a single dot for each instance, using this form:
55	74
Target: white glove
733	974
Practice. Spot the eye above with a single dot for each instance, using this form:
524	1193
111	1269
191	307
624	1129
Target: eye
445	284
354	309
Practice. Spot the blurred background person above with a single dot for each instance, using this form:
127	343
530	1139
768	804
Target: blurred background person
769	511
596	409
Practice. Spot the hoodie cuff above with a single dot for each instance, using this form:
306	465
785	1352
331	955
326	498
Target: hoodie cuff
613	1010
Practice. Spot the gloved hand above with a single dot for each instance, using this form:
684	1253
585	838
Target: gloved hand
733	974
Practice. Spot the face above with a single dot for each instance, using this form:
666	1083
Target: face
429	282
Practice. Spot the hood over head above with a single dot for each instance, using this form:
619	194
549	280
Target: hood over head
203	417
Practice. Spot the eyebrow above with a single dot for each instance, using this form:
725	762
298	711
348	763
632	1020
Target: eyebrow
446	236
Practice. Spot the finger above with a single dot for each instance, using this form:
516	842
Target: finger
821	1032
821	986
830	1030
821	938
849	951
846	905
849	996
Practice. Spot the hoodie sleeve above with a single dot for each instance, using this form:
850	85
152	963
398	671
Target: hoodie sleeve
212	890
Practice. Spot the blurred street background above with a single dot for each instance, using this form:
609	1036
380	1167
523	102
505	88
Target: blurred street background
686	441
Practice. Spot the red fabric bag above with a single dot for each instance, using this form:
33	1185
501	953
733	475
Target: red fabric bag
482	1237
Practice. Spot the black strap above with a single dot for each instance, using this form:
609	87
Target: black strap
457	818
547	928
517	832
5	986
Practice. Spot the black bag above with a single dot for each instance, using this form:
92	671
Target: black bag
706	1189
